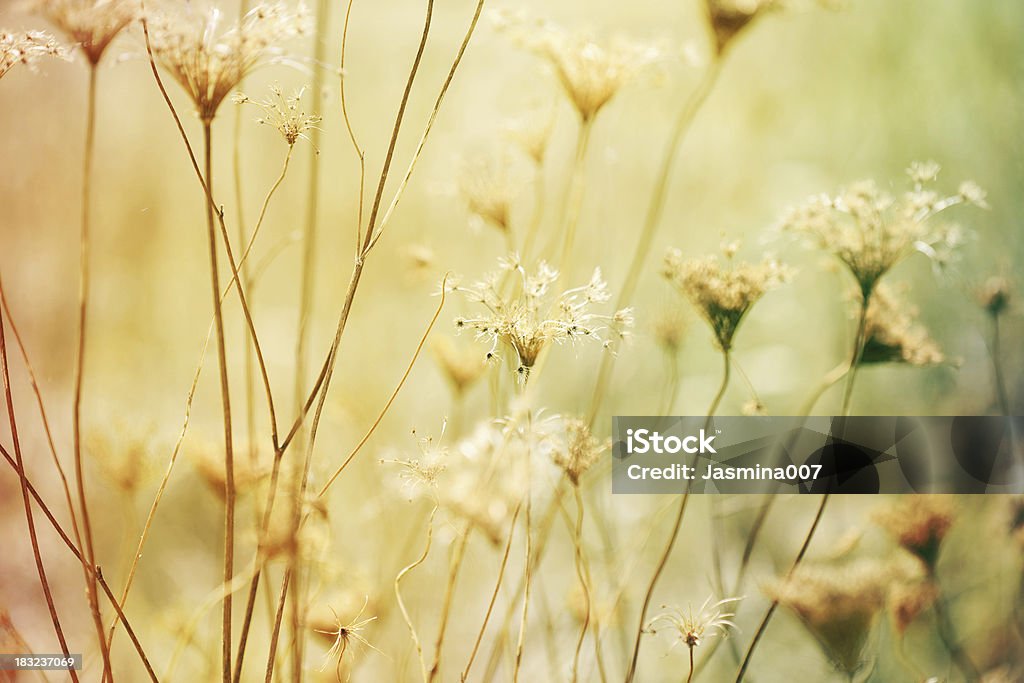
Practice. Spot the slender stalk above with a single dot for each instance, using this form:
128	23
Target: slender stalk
677	524
655	210
494	595
574	200
584	582
80	351
398	593
454	565
745	664
225	394
528	564
29	518
1002	398
858	350
539	192
689	677
41	504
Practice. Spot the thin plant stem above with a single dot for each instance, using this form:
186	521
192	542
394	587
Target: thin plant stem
676	525
29	517
689	676
684	121
80	353
858	350
41	504
398	593
454	567
225	394
539	194
574	199
581	575
494	595
1002	398
745	663
528	564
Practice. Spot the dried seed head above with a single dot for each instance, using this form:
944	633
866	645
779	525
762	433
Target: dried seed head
27	48
91	24
723	293
692	628
919	524
591	73
209	64
531	134
837	604
729	17
344	633
123	455
669	329
908	600
208	459
533	317
893	335
870	230
579	450
426	470
995	295
284	113
460	363
488	192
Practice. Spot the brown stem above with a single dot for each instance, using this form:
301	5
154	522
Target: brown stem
454	565
23	480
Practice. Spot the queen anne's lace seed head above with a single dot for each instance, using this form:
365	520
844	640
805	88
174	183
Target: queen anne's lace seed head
722	293
284	113
591	73
578	449
531	319
870	230
486	188
91	24
892	334
209	62
27	48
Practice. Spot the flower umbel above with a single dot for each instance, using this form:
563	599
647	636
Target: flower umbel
691	628
870	231
579	451
919	524
529	320
892	334
284	113
208	63
92	24
27	48
722	293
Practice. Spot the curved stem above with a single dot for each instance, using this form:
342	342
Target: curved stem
398	593
454	565
677	524
684	120
581	576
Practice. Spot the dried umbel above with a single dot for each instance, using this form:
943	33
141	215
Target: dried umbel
591	73
424	471
91	24
531	134
124	454
907	600
27	48
693	628
995	295
284	113
534	317
919	524
729	17
870	230
210	63
892	334
838	604
578	450
488	192
722	293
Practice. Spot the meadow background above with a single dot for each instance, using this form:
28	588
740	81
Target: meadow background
807	101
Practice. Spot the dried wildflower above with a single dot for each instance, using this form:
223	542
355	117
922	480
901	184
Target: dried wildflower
995	295
426	470
529	321
579	451
691	628
919	523
209	463
838	605
27	48
892	334
488	192
209	64
591	73
669	329
344	635
284	113
729	17
870	231
531	134
91	24
123	456
908	600
460	364
722	294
